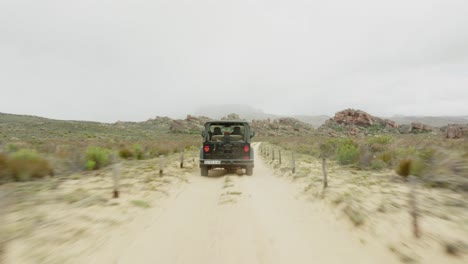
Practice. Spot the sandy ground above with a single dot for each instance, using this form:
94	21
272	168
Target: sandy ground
270	217
226	218
61	219
375	205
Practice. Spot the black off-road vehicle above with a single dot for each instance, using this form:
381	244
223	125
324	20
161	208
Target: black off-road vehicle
226	144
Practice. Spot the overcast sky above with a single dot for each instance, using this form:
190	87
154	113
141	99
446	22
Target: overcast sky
109	60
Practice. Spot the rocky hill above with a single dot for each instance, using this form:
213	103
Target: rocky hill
433	121
266	127
353	122
22	127
250	113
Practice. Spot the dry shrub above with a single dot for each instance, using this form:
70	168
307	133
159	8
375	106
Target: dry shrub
27	164
4	170
125	153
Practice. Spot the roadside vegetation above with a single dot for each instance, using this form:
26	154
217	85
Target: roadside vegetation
40	151
442	162
416	182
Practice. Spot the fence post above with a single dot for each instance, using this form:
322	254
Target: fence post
324	170
161	165
273	154
413	207
115	175
293	161
279	156
182	159
116	178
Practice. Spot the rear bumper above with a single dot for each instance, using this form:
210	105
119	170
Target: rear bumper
223	163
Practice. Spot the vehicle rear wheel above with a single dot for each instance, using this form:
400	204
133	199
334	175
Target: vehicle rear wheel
204	170
249	171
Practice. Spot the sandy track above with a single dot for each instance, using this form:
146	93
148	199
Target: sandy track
241	219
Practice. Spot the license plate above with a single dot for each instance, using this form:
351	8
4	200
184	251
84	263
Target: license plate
212	162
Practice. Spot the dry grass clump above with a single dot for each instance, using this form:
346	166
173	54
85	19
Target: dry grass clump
24	165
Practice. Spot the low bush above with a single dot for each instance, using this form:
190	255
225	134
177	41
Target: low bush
377	164
348	154
4	170
26	164
139	154
125	153
96	158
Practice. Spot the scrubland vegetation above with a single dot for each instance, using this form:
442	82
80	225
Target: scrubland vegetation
34	147
364	186
437	161
52	173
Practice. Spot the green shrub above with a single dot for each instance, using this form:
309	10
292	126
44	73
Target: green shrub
139	155
386	157
377	164
26	164
10	148
348	154
382	140
125	153
90	165
99	156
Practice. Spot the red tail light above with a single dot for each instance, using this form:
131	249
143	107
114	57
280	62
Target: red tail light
246	148
206	148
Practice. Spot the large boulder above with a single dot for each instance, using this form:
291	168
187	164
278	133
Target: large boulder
455	131
420	127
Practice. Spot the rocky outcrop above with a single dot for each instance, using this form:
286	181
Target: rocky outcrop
456	131
281	126
420	127
351	122
191	124
360	118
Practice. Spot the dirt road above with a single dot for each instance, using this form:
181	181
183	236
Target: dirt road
240	219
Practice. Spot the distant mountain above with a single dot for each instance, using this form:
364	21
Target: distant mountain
244	111
435	121
315	121
250	113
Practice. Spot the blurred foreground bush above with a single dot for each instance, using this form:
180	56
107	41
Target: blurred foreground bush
24	165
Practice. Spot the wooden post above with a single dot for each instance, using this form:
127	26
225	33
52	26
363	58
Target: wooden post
413	207
324	170
404	170
273	154
279	156
116	178
4	199
293	161
182	159
161	165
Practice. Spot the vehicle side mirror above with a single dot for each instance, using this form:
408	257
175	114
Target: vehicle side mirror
252	134
203	134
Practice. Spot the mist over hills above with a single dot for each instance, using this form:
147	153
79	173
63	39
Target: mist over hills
435	121
250	113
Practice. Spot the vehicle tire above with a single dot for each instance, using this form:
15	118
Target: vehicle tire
249	171
204	170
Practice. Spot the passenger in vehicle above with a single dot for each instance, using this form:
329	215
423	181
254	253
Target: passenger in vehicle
237	131
217	134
